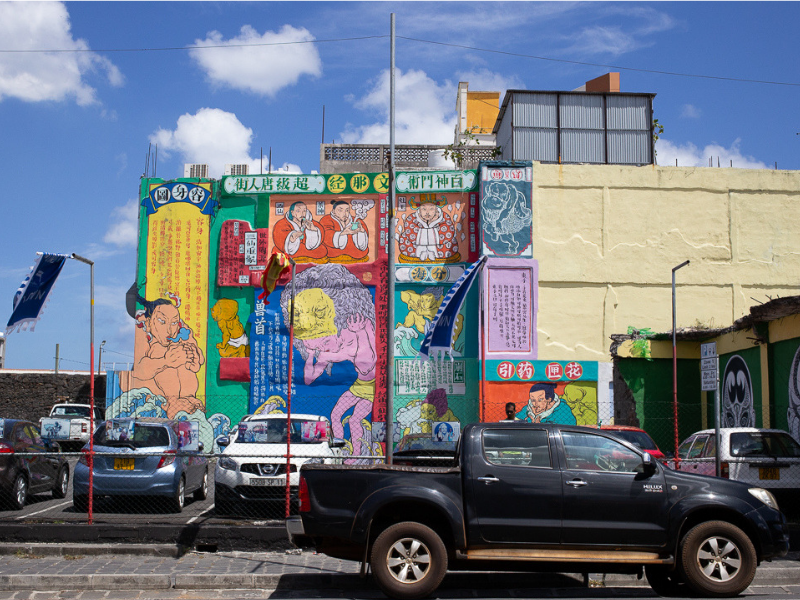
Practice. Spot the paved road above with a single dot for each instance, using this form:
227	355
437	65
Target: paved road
95	572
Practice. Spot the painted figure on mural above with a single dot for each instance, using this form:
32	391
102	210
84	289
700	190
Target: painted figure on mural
582	400
422	309
166	356
234	340
346	237
793	411
298	236
544	406
419	415
429	234
506	219
335	322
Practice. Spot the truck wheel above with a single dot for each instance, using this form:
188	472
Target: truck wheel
718	559
664	582
61	483
409	561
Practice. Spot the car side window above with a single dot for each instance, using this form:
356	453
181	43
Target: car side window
33	433
683	449
520	447
590	452
710	449
697	446
24	436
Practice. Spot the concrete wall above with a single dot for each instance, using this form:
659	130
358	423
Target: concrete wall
29	395
607	237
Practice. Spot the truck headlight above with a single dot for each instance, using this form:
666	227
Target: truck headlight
227	463
765	497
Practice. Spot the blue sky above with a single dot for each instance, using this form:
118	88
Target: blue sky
75	126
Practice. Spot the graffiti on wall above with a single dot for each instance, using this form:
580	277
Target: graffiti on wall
316	231
738	409
793	412
506	214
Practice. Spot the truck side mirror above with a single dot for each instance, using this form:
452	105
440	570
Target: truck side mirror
223	442
648	465
337	443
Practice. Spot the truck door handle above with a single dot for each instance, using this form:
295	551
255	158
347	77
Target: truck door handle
489	480
577	483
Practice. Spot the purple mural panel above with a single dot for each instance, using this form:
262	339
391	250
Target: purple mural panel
510	288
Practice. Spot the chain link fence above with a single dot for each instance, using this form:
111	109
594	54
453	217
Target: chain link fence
231	466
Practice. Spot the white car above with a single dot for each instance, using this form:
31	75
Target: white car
768	458
250	476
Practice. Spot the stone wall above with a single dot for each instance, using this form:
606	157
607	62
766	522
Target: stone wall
30	395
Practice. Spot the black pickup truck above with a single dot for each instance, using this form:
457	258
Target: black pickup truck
540	497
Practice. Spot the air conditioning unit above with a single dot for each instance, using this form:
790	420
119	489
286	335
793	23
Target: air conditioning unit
237	169
195	170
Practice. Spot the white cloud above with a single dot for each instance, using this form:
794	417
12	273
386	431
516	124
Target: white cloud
124	229
210	136
602	40
260	69
689	155
690	112
424	111
37	76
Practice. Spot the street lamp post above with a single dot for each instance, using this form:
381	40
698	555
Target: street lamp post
90	458
675	363
100	357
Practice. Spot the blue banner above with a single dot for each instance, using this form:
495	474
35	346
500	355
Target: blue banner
32	295
440	333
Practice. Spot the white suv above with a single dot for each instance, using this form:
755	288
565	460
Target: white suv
767	458
250	476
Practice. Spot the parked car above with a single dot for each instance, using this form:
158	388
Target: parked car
20	476
541	496
143	457
421	449
638	437
769	458
76	419
251	473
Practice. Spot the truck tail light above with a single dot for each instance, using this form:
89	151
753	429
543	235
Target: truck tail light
84	428
305	502
724	470
6	449
166	459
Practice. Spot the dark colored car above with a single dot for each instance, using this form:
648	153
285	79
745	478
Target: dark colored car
29	464
143	457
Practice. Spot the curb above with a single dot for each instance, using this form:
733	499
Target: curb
32	550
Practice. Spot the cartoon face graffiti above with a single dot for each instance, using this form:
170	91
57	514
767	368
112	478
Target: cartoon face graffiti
793	412
737	395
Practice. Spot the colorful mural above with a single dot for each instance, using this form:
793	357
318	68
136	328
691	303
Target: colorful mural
506	210
738	409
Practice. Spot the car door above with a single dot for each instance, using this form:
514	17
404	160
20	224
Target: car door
609	497
516	487
36	466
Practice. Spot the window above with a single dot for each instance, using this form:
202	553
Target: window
766	443
683	449
520	447
697	446
710	450
590	452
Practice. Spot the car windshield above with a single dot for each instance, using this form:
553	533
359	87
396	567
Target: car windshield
638	438
273	431
71	411
764	443
424	443
145	435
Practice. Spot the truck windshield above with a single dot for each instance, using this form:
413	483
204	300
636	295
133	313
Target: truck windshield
273	431
71	411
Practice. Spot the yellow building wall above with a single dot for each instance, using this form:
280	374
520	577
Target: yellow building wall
607	237
482	111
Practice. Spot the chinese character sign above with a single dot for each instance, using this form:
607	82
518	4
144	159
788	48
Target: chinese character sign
510	288
506	209
242	254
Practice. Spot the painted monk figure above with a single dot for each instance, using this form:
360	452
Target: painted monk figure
298	236
346	238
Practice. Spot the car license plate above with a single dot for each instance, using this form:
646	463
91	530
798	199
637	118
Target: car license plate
261	482
123	464
769	473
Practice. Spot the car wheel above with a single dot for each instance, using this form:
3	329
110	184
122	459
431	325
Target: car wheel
664	582
201	493
80	503
61	483
409	561
179	498
718	559
19	492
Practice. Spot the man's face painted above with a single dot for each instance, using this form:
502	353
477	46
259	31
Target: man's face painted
538	402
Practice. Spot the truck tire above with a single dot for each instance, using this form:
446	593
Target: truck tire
718	559
409	561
